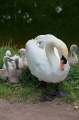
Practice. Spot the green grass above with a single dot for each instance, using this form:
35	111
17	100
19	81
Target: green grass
29	86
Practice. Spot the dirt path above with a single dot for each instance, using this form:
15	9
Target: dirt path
55	110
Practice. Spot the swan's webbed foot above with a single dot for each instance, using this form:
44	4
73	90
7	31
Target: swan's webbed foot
46	97
59	93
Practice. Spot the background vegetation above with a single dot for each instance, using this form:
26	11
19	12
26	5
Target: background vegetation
22	20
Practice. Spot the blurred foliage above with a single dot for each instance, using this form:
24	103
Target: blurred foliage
22	20
27	79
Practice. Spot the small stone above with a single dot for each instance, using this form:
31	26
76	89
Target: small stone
76	107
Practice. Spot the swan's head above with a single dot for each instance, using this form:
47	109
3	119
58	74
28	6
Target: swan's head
73	48
63	61
41	44
8	53
63	53
22	51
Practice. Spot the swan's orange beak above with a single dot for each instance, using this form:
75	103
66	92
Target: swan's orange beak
62	65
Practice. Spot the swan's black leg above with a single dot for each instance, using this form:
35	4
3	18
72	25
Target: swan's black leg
59	93
45	96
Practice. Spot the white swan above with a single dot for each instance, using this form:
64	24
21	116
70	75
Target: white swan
22	60
73	59
44	64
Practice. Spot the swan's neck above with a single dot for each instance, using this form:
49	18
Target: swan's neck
50	53
62	50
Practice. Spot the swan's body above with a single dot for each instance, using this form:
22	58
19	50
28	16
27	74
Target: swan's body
43	67
73	59
22	60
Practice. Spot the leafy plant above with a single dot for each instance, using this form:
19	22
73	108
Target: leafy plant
28	79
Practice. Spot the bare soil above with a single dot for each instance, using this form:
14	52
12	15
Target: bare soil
55	110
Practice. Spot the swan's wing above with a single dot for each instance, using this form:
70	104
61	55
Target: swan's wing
35	55
37	60
34	51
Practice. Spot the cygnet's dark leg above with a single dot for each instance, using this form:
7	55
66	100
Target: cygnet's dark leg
45	96
59	93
